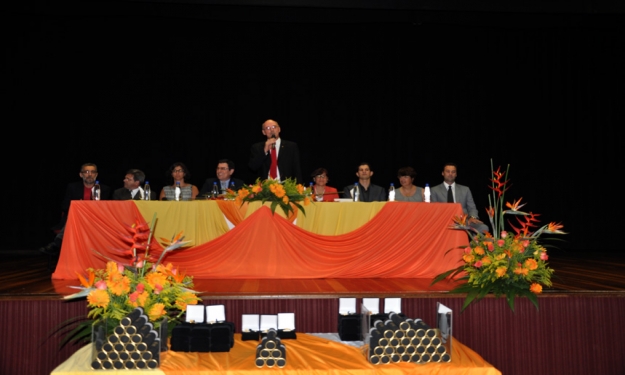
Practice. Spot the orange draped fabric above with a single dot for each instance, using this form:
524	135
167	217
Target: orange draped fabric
306	354
402	240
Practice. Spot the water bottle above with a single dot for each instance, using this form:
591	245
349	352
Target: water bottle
215	191
356	192
426	193
146	191
310	194
96	191
391	193
177	191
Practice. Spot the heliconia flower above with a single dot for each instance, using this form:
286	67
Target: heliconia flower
504	234
157	311
536	288
490	211
141	237
98	298
500	243
544	256
501	271
477	264
101	285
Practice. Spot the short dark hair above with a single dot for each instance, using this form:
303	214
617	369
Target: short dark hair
364	163
227	161
450	164
185	170
407	171
137	175
88	165
319	171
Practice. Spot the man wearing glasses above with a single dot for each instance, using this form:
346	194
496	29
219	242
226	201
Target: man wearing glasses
132	187
224	179
275	157
80	190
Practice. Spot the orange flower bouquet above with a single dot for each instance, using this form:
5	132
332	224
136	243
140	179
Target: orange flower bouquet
504	263
286	194
162	290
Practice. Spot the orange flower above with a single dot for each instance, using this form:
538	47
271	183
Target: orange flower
490	211
243	193
285	199
156	278
306	201
300	188
185	299
479	250
257	189
98	298
501	271
87	283
531	264
536	288
515	205
119	284
157	311
138	300
486	261
111	268
468	258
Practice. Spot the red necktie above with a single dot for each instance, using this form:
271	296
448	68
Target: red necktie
273	170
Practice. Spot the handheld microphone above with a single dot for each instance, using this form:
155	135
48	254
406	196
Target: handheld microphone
273	145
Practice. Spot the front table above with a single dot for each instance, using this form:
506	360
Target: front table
332	240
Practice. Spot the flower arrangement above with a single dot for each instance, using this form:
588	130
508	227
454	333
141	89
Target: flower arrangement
285	194
162	290
504	263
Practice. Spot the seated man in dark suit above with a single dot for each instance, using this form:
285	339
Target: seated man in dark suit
451	192
367	192
132	187
79	190
275	157
224	179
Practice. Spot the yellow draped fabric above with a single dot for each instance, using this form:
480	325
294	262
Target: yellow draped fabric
332	240
307	354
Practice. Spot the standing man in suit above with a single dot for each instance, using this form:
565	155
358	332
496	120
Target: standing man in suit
451	192
224	179
275	157
367	192
79	190
132	187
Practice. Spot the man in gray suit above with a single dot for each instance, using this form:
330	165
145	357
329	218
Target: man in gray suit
368	192
451	192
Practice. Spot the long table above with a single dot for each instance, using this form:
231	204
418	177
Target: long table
329	240
307	354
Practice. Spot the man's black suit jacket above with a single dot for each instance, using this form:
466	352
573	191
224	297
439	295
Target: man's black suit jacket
288	160
123	194
75	192
207	188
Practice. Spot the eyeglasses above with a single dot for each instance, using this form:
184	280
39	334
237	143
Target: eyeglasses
89	172
178	171
321	176
222	168
129	179
270	127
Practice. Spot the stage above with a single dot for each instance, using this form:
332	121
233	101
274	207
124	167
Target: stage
572	333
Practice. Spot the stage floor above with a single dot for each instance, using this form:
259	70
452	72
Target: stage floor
26	275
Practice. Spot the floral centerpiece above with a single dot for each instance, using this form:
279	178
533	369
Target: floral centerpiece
162	290
504	263
286	194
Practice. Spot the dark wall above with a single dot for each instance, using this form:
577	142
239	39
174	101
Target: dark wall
135	86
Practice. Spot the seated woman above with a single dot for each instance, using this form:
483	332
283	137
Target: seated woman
179	173
407	191
322	192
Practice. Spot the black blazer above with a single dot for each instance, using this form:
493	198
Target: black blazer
123	194
288	161
74	192
207	188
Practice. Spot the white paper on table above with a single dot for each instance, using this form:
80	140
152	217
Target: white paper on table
347	306
195	314
250	322
268	321
372	304
215	313
392	305
286	321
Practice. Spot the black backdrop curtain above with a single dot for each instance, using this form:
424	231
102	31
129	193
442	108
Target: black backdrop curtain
130	85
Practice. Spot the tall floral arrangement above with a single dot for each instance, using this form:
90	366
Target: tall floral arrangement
162	290
286	194
505	263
